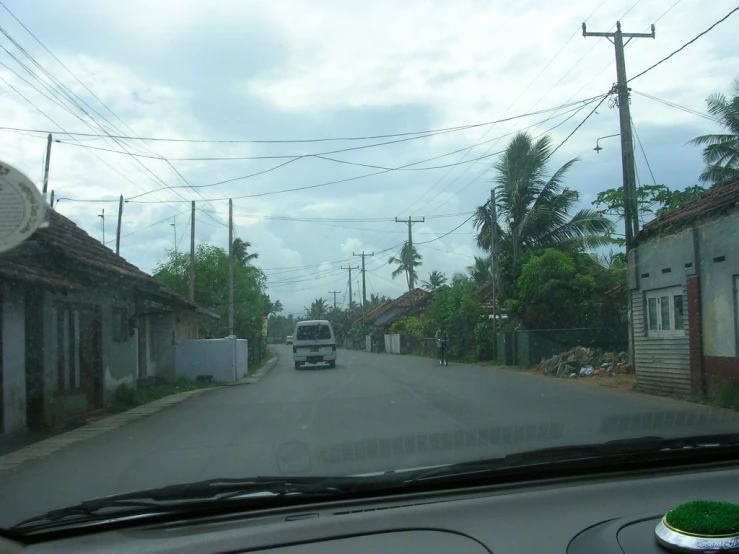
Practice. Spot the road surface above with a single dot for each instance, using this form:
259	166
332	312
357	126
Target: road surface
374	412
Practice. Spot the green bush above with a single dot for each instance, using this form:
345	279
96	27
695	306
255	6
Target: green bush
727	396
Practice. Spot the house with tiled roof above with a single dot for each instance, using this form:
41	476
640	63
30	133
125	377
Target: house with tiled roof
76	322
684	284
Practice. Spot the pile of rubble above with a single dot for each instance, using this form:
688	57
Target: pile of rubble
586	362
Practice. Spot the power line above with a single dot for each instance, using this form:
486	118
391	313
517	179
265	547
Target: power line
651	67
579	125
643	152
676	106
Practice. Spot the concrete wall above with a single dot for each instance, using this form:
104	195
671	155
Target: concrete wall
217	358
718	240
14	357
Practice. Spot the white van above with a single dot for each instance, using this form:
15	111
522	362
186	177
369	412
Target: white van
314	342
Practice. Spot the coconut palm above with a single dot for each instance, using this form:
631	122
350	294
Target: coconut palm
479	272
407	262
721	151
275	307
241	252
318	309
435	280
535	207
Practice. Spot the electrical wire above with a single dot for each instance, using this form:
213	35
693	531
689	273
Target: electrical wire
676	106
691	41
578	127
638	140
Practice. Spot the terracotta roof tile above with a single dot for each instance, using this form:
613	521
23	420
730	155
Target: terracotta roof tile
711	204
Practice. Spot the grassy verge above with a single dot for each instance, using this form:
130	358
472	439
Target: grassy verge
127	398
267	357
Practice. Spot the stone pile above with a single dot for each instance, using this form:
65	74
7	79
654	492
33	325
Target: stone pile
586	362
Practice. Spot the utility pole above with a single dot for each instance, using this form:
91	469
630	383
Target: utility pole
493	240
335	292
52	200
409	262
46	165
350	283
230	267
102	216
192	252
174	227
364	280
118	229
631	210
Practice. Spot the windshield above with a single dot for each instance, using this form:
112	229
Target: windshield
500	240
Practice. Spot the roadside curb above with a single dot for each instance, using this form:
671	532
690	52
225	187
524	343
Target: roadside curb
261	372
47	447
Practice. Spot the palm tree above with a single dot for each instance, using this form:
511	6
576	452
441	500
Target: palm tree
275	307
534	207
407	262
241	252
721	152
317	310
435	280
479	272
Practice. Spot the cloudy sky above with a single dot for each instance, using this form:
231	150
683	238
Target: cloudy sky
279	70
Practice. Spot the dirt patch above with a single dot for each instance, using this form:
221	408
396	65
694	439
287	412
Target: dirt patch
624	381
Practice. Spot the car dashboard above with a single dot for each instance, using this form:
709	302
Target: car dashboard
613	513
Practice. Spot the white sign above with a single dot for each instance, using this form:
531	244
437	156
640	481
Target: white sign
22	208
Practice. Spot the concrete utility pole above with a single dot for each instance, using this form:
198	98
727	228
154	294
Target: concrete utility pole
51	203
118	229
364	280
230	267
631	210
46	165
102	216
334	292
493	240
409	269
192	252
174	228
350	283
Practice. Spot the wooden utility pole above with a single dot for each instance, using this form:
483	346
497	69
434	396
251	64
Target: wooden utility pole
334	292
409	262
631	210
46	165
364	280
350	283
192	252
493	252
118	228
230	267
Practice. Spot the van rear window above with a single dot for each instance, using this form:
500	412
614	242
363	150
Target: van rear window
314	332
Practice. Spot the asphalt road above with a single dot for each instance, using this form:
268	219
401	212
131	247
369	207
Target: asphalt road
374	412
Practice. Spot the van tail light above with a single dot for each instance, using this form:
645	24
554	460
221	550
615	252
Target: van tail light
295	349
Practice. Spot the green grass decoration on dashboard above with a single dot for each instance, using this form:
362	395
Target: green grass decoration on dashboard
705	518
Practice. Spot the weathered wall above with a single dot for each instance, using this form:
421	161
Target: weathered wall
662	363
719	253
214	357
14	357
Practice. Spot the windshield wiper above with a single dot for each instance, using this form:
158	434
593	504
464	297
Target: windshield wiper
574	456
181	497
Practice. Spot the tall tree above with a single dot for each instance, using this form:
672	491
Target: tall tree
535	207
407	262
435	280
275	307
721	151
318	309
241	252
211	274
479	271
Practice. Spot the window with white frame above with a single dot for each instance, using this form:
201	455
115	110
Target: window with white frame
665	315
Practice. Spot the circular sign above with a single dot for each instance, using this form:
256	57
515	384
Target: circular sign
22	208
